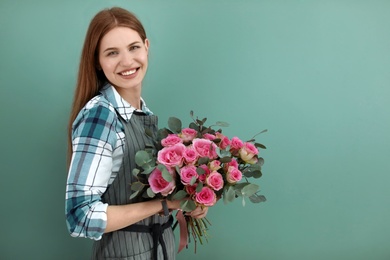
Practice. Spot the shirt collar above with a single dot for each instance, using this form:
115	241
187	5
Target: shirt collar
124	109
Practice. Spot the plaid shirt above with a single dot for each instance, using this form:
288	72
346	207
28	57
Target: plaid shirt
98	141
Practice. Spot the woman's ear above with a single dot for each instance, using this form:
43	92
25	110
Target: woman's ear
147	43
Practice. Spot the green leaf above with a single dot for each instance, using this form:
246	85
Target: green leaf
257	174
133	195
229	194
222	124
199	187
187	205
137	186
166	175
225	159
181	194
194	126
258	145
148	132
142	158
162	133
200	171
252	170
249	189
203	160
193	180
224	152
136	172
148	170
150	193
260	161
174	124
257	198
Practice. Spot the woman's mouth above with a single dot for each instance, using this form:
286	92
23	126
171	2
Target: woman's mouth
128	72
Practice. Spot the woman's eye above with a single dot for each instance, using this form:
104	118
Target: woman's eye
111	53
132	48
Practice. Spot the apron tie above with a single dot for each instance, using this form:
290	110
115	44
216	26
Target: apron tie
156	230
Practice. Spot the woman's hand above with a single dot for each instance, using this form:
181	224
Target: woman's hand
199	212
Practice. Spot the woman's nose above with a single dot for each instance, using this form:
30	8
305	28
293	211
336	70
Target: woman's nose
126	59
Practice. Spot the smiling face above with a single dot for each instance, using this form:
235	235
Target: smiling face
123	57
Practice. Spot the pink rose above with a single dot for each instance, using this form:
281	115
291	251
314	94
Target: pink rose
233	163
202	177
233	175
187	173
215	165
171	155
191	189
188	134
205	148
159	185
170	140
248	152
206	197
209	136
225	142
236	143
215	180
190	155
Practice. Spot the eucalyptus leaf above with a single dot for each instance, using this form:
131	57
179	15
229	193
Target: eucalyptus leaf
149	170
225	159
257	198
187	205
258	145
193	180
203	160
133	195
200	171
257	174
150	193
174	124
148	132
166	175
194	126
229	194
181	194
162	133
137	186
222	124
199	187
249	189
136	172
142	158
241	185
260	161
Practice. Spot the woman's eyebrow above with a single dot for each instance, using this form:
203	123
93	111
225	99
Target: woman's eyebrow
115	48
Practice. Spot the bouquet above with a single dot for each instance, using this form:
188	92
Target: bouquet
199	166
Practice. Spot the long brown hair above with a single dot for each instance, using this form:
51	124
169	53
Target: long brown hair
90	77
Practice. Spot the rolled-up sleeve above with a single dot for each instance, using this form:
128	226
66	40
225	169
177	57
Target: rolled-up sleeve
93	141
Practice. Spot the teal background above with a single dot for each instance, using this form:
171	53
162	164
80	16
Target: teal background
316	74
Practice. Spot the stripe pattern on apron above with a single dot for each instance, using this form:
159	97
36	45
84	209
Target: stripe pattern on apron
122	244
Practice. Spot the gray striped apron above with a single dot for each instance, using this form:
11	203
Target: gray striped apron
123	244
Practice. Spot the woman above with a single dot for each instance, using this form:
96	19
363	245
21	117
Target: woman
106	129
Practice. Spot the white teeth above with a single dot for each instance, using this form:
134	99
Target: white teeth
127	73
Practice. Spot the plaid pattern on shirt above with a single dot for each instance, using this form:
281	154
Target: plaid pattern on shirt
98	141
